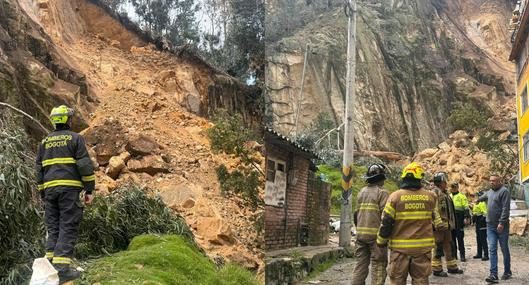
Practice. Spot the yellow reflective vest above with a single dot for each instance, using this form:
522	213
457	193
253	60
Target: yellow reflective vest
460	202
480	209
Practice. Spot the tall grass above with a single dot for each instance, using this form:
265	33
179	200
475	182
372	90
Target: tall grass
110	223
21	218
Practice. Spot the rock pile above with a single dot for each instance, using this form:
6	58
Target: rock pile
456	157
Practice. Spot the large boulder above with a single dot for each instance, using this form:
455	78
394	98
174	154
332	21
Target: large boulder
143	145
152	164
427	153
116	164
106	139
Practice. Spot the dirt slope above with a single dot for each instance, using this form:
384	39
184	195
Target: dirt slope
143	128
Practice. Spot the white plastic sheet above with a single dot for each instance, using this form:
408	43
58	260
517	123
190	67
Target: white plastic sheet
44	273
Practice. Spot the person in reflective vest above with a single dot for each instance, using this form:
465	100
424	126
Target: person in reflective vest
369	206
63	169
462	219
407	228
479	218
443	238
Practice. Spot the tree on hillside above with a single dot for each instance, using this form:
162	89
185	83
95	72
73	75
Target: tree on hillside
114	4
245	39
174	19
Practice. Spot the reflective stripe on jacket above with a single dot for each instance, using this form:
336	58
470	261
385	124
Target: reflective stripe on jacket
407	221
63	161
370	203
446	208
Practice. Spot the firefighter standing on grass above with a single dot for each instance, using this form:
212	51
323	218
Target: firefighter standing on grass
370	204
64	169
407	226
443	238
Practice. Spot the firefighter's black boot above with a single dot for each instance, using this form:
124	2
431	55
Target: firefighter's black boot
68	275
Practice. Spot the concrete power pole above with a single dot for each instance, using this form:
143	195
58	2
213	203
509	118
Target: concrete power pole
347	166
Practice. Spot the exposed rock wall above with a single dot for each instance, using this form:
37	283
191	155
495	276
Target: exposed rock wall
33	75
414	60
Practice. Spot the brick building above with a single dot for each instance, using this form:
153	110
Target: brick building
297	203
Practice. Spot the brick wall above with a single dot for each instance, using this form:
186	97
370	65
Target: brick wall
282	224
319	199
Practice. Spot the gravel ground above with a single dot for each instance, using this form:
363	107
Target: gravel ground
475	270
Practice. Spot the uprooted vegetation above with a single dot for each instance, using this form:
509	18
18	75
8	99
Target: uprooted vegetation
112	221
229	135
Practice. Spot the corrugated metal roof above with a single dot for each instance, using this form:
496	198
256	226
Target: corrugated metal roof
291	141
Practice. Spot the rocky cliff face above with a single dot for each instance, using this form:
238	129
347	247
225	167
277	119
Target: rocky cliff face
414	60
37	70
143	111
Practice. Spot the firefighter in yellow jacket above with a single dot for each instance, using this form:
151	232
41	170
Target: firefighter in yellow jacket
443	238
369	207
407	226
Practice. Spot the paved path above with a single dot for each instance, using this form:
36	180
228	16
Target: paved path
475	269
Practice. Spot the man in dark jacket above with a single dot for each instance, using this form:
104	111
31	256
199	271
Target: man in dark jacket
498	211
63	170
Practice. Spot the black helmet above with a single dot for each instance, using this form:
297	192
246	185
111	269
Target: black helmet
440	177
375	172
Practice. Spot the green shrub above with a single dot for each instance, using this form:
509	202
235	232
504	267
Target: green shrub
22	230
245	182
110	223
165	259
333	176
229	135
502	155
466	116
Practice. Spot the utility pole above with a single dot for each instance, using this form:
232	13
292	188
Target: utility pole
300	97
347	166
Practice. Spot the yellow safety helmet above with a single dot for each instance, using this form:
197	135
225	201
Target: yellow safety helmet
413	170
60	115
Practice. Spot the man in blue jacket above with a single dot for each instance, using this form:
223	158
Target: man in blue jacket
498	210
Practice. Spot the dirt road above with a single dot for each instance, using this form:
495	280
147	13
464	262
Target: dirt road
475	270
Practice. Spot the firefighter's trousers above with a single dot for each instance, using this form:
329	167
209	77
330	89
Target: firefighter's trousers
443	244
369	252
63	213
418	266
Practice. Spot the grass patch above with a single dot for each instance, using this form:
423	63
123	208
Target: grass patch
333	176
165	259
321	268
520	241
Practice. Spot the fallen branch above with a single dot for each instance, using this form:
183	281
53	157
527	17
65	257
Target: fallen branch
26	115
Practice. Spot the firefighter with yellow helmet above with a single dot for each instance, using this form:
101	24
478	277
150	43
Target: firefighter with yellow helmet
407	228
64	169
